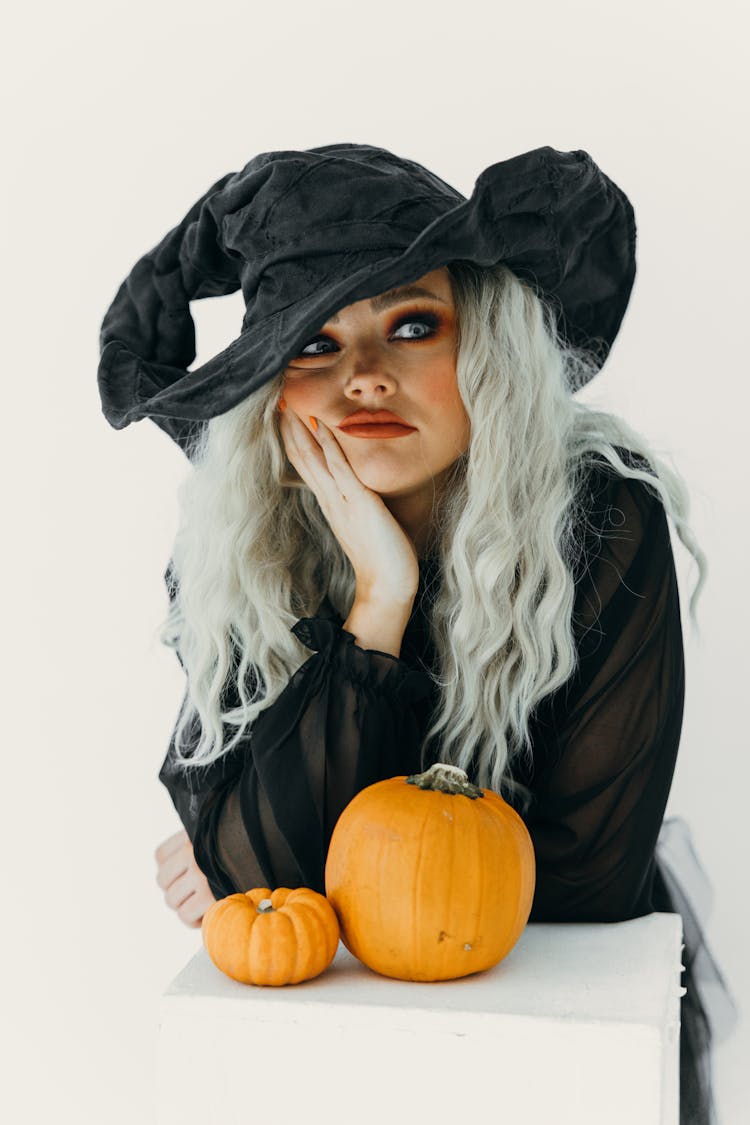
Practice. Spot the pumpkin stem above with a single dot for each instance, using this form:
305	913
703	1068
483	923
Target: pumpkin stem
446	778
264	906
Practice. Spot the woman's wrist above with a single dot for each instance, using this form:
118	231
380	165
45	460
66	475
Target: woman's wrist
379	622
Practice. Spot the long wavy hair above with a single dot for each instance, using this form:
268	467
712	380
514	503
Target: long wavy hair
254	553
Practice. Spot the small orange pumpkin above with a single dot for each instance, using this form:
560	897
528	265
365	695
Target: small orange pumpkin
271	937
431	877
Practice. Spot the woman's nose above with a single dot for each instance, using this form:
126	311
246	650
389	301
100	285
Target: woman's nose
369	361
370	378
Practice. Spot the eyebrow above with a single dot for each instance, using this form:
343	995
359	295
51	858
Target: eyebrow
395	297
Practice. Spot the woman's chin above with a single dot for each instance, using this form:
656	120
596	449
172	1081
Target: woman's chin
387	485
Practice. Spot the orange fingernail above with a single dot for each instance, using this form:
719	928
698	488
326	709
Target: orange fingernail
313	422
282	404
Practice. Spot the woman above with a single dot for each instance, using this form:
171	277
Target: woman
488	581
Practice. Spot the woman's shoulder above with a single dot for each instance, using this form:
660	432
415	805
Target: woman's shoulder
620	514
604	487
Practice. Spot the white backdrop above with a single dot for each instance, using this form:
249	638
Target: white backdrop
118	116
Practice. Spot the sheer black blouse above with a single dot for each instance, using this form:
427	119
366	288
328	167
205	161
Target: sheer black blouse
604	745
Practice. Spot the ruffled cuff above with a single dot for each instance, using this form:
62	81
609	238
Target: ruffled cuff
380	670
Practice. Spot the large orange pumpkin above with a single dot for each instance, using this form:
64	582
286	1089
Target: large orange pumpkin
431	877
271	937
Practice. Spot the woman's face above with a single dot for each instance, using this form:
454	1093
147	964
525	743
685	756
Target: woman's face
394	352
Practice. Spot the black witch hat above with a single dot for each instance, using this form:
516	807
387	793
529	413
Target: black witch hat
305	233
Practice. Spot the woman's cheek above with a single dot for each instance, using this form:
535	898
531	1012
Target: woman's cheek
301	396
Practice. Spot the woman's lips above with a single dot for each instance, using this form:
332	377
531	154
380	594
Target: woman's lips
378	430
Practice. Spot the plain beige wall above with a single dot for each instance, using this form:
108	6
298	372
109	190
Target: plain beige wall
117	117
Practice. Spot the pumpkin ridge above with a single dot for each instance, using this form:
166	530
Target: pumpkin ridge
286	944
329	934
512	836
451	882
478	851
309	934
380	883
231	923
254	947
415	929
466	855
237	920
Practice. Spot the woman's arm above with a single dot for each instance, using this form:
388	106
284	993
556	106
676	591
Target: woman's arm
348	717
613	732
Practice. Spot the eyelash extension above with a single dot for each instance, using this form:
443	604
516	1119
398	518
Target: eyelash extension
431	319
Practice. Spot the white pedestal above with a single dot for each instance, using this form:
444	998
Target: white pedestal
578	1024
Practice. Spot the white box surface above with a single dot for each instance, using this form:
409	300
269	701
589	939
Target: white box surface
578	1024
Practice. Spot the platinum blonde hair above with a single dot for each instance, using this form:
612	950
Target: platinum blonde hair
254	553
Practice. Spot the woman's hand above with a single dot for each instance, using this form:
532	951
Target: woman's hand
185	886
386	566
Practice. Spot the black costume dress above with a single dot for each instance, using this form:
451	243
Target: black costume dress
604	752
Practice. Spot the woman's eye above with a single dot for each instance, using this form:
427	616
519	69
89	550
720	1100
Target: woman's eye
424	321
315	343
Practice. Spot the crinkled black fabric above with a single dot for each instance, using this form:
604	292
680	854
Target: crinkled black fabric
604	752
305	233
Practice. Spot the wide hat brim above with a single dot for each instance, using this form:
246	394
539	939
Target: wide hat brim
551	217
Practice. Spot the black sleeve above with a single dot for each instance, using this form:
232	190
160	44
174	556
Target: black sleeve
264	814
610	737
